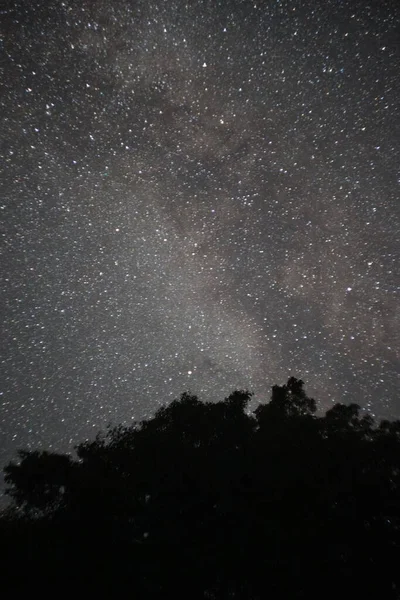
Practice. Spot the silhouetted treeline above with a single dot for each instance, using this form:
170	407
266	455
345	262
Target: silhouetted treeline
206	500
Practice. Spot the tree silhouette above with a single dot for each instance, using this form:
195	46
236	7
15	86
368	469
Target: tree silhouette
39	480
206	500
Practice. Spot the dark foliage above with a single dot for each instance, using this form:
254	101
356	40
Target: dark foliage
206	500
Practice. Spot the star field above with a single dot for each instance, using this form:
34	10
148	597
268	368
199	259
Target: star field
199	195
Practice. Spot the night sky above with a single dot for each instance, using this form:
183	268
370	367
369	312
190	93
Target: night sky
195	196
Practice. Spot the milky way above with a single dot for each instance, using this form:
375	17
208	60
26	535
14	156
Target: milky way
197	196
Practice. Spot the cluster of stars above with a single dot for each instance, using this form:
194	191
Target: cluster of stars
195	195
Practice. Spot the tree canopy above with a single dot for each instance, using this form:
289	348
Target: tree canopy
210	500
